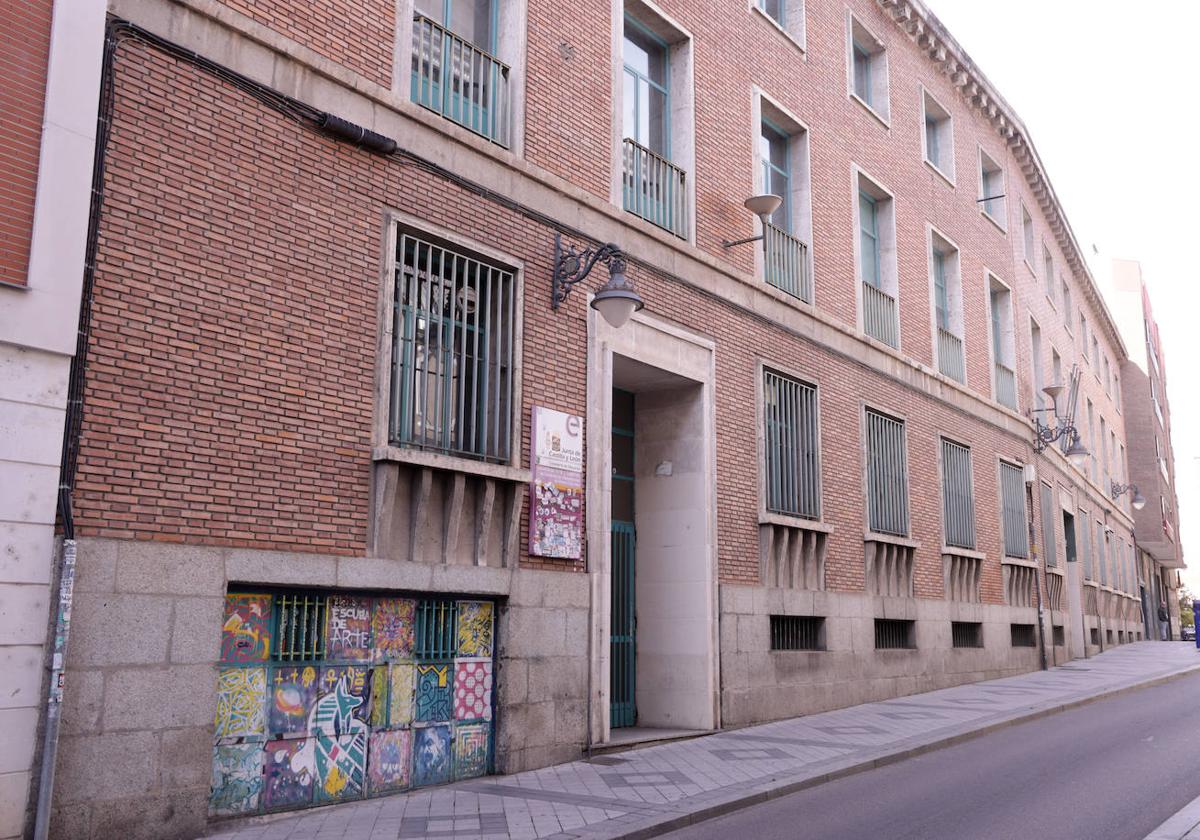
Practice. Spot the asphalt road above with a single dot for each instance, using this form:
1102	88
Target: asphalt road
1110	770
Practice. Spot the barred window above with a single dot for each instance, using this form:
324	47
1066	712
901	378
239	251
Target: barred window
793	464
1012	499
1102	553
1085	545
887	471
958	498
452	352
1050	547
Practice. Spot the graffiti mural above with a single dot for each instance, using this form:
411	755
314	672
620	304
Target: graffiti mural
379	696
393	623
400	706
390	754
293	692
349	633
470	750
354	678
241	702
473	690
432	760
433	693
237	779
288	783
339	739
474	628
246	633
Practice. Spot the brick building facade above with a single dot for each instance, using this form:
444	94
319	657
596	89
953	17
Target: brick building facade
805	460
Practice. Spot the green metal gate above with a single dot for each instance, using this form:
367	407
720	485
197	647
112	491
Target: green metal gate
623	620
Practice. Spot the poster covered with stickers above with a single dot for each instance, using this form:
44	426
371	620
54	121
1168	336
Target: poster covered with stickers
556	491
329	697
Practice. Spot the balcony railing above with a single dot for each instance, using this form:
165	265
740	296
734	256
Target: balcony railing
1006	386
786	263
459	81
950	356
879	316
654	188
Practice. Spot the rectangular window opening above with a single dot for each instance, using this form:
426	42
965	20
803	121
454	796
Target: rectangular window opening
895	634
1023	635
793	471
797	632
1060	636
958	495
887	474
1012	496
966	634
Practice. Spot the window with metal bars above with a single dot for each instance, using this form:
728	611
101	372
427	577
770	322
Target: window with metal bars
1023	635
1108	637
895	634
299	627
435	637
958	497
1049	544
966	634
792	446
1012	500
1060	636
1095	635
887	471
797	632
1083	540
452	352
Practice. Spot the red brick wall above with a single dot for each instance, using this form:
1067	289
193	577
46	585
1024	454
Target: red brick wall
24	52
357	34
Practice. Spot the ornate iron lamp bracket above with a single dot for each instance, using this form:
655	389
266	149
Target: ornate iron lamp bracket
572	266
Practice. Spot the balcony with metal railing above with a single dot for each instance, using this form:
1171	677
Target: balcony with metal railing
1006	386
458	80
950	356
654	188
786	263
879	316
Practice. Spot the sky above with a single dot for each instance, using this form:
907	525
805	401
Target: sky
1107	94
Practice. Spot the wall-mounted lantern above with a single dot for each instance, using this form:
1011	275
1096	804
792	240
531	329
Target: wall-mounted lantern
616	300
1117	490
1063	429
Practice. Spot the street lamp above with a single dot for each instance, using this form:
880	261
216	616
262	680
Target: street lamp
1063	429
616	300
762	206
1117	490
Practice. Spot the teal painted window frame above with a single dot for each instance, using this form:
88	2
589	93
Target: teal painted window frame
862	65
781	18
785	172
640	77
868	210
941	299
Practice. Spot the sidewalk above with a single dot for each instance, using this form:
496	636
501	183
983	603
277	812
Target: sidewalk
1185	825
646	792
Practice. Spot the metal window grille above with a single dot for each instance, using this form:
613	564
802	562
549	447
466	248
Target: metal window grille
1022	635
1095	634
458	80
786	263
1108	636
1084	541
797	632
950	356
1049	544
300	627
887	471
894	634
966	634
793	464
1060	636
437	629
654	188
1012	499
452	352
1102	553
958	499
1006	386
880	315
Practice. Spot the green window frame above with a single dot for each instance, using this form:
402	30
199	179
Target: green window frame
932	148
793	468
774	149
863	62
774	9
941	298
868	221
639	106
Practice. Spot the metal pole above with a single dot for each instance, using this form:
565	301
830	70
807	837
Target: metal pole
1037	578
62	628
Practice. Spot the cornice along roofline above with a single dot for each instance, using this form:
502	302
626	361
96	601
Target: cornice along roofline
932	37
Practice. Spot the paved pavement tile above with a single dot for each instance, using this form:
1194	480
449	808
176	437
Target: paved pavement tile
617	795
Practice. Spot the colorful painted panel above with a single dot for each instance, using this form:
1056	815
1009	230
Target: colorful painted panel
241	702
237	779
471	750
341	766
347	685
387	768
349	634
474	628
473	690
293	692
400	707
246	633
289	774
393	624
433	692
379	696
432	761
